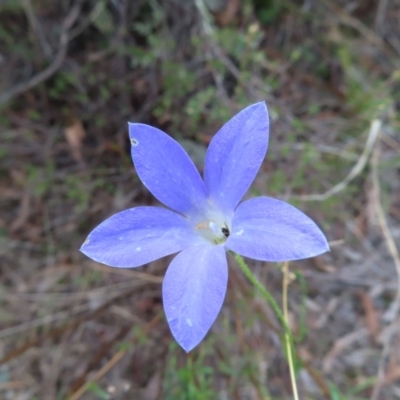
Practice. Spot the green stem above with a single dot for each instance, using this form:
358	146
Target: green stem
283	317
267	295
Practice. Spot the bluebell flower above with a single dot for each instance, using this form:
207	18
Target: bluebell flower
203	219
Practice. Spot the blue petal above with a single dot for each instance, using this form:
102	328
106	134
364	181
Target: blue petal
272	230
234	156
165	169
139	235
193	292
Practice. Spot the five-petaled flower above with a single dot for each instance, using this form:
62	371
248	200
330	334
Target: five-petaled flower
204	218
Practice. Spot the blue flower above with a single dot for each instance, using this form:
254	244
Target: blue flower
203	220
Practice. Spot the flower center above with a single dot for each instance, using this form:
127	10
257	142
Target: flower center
213	232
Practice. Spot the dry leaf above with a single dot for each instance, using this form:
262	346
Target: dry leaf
371	315
228	14
75	134
23	213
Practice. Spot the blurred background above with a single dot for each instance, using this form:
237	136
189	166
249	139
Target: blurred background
73	72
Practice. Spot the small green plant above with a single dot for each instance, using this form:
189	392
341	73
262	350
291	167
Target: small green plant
192	381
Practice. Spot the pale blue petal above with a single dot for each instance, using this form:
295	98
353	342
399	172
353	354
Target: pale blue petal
139	235
166	170
193	292
272	230
234	156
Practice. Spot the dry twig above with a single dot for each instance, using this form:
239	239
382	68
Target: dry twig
35	25
393	310
356	24
114	360
355	171
340	345
55	65
57	332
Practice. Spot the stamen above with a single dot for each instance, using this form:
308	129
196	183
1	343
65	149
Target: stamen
202	225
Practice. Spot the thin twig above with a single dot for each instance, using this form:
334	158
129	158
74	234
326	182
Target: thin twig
387	340
41	38
218	52
355	23
126	272
55	65
100	293
13	330
99	356
205	19
393	309
288	344
114	360
340	345
380	16
323	148
92	17
355	171
57	332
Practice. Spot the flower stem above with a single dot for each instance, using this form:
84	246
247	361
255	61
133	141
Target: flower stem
267	295
289	346
283	317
